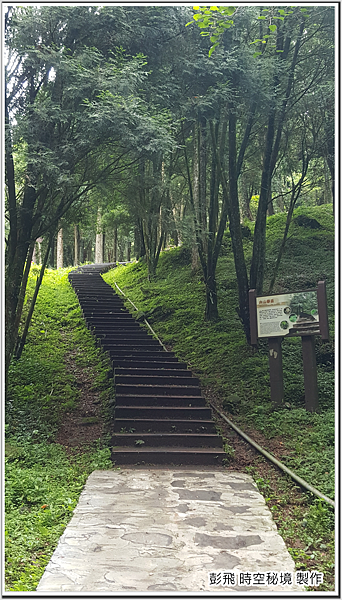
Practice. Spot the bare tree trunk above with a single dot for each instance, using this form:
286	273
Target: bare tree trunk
128	251
22	340
276	120
39	244
99	240
270	207
195	193
21	297
235	228
202	183
296	190
139	243
115	244
77	244
99	248
60	249
52	254
121	250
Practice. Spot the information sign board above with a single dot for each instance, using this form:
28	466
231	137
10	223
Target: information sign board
287	314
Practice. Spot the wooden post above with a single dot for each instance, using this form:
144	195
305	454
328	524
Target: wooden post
310	372
275	360
323	310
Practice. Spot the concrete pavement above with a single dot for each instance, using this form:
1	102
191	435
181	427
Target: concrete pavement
161	530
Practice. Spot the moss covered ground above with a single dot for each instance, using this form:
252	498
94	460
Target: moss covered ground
44	478
237	375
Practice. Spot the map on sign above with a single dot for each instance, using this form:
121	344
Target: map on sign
287	314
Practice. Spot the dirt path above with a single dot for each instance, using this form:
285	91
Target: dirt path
85	424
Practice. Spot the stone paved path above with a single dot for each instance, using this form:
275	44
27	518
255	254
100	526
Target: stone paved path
158	530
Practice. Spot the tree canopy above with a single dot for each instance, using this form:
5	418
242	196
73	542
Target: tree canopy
162	125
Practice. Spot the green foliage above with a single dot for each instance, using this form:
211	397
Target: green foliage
42	489
312	526
216	19
308	256
43	483
218	354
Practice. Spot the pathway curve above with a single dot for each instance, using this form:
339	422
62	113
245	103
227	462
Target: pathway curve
166	530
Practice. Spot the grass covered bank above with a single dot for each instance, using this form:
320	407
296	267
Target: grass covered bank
236	378
44	479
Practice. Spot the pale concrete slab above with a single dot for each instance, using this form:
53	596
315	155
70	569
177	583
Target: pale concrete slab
158	530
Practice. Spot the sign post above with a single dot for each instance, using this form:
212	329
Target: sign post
301	314
275	360
310	373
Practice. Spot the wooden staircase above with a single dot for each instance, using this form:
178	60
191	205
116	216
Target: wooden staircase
160	416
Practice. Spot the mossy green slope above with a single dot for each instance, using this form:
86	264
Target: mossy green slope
43	483
217	352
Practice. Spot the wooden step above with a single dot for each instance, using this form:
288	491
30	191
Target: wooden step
160	416
158	390
165	380
167	455
160	372
171	401
163	412
209	440
170	363
134	424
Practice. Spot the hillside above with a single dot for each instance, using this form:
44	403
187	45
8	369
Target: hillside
217	352
235	377
59	402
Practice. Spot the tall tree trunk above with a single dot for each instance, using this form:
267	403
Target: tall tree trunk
154	229
195	193
270	207
231	201
22	340
246	193
60	249
235	228
139	245
202	183
39	242
16	257
121	249
99	248
99	240
272	144
52	254
259	244
128	251
77	244
211	309
115	244
21	297
296	190
214	238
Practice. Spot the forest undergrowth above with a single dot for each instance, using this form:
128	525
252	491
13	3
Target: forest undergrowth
235	377
62	375
43	478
